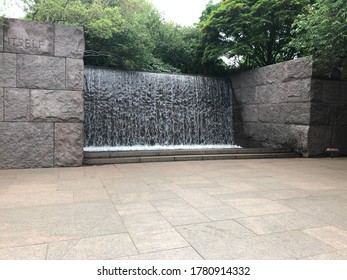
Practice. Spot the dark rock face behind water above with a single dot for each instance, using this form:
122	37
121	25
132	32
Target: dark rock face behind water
137	108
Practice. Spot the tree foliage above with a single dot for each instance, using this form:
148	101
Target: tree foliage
323	31
252	32
125	34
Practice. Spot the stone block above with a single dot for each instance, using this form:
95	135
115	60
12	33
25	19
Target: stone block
296	91
25	145
1	104
339	136
40	72
237	114
250	113
320	114
16	104
297	69
332	91
297	138
317	90
69	41
56	106
268	94
343	74
280	134
7	70
319	138
237	81
1	40
74	74
68	142
344	92
338	115
295	113
245	95
28	37
272	74
269	113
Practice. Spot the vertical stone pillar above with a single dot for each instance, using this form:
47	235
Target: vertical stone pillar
41	104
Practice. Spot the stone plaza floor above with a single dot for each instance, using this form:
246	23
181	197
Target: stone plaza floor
231	209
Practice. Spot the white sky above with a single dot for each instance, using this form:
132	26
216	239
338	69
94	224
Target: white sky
184	12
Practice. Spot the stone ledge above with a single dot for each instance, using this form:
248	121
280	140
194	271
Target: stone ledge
56	106
26	145
40	72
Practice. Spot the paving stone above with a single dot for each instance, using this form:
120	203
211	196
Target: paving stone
79	184
8	70
283	194
92	194
125	209
197	198
68	144
102	172
214	231
179	212
57	106
258	206
93	248
152	241
25	199
125	186
40	72
52	223
185	180
69	41
34	252
143	196
29	37
218	213
330	235
229	240
337	255
298	244
146	222
187	253
264	224
16	104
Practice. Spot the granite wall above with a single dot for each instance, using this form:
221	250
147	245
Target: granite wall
41	105
291	104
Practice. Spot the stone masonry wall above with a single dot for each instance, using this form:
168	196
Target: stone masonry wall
41	105
287	105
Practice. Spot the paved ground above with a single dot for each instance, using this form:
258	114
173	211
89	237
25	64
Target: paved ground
234	209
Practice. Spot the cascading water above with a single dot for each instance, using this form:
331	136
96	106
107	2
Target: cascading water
137	108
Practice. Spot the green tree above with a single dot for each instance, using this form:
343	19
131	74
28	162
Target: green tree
253	32
323	31
97	17
125	34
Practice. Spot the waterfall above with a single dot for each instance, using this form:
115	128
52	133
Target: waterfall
137	108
